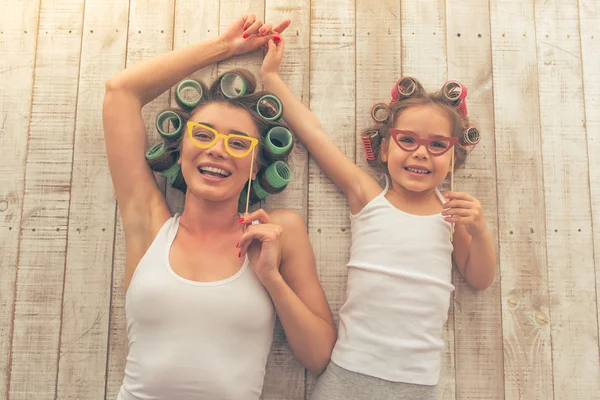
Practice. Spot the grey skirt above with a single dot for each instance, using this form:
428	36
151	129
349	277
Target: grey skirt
337	383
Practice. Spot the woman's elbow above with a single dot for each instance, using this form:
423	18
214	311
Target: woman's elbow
482	283
113	84
321	357
318	365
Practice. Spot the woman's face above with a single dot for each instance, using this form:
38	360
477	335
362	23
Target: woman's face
212	173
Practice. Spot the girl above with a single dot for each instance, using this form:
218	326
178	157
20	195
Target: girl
399	272
202	288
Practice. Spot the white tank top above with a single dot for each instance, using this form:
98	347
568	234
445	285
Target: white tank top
194	340
398	294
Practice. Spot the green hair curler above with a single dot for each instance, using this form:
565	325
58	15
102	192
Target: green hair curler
175	119
189	93
269	107
172	171
259	192
178	182
159	158
237	83
278	143
275	177
269	181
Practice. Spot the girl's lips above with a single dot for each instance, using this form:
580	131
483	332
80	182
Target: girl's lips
412	172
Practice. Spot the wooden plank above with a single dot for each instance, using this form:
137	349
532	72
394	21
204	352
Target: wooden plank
378	59
477	314
576	368
424	57
424	42
117	339
521	209
41	264
589	15
86	303
285	376
332	99
192	24
150	33
18	38
295	72
230	10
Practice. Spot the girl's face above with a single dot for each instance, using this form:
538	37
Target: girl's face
418	170
212	173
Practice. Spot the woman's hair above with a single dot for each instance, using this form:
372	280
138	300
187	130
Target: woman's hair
378	135
273	148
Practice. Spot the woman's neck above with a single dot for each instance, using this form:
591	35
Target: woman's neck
204	217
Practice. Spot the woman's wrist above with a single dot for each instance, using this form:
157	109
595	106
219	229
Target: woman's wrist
269	78
212	51
272	281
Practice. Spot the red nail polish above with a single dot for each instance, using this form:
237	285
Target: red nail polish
277	38
245	27
245	36
241	220
240	254
237	245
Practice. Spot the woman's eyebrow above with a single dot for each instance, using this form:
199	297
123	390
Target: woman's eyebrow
230	131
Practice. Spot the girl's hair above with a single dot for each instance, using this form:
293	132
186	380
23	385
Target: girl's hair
380	133
170	147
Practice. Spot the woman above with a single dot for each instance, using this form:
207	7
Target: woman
203	287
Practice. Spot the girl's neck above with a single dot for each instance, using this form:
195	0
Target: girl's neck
201	217
420	203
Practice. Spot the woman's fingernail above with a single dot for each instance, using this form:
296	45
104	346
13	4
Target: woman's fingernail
237	245
245	27
240	254
241	220
245	36
277	38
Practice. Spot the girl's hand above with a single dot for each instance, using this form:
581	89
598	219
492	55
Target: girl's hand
247	34
261	242
272	60
462	208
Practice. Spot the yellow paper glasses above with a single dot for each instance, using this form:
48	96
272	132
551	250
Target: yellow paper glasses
239	146
205	137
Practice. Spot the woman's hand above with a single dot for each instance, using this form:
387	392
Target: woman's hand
247	34
273	57
261	242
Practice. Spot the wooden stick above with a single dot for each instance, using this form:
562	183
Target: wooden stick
249	185
452	189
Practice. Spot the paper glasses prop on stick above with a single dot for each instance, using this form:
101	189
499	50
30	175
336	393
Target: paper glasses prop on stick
236	145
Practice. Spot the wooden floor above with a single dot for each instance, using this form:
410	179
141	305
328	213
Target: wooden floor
534	89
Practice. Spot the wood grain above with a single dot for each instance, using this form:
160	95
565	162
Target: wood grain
44	239
332	99
17	57
477	314
521	211
570	243
589	27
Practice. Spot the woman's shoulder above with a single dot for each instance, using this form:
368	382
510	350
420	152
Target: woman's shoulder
286	218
